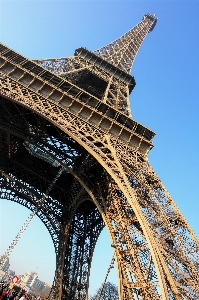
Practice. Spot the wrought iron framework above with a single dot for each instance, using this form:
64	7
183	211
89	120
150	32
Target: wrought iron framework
76	111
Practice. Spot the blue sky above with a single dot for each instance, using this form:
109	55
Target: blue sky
165	99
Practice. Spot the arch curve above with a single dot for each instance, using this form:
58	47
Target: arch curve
116	176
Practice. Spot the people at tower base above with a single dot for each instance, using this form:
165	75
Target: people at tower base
8	292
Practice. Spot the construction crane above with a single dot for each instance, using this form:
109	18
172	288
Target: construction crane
105	279
46	157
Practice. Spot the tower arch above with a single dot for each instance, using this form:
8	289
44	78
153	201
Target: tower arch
79	117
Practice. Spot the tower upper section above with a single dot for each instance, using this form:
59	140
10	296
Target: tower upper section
95	86
122	52
104	73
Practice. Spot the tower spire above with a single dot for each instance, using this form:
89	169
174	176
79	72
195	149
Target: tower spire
104	73
80	115
122	52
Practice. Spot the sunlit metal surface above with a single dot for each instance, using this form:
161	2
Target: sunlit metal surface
76	111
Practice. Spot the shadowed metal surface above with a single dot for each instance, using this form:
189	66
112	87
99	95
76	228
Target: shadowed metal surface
75	111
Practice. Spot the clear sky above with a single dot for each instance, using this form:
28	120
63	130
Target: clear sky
165	99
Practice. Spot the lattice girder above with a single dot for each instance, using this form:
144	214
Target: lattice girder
111	63
80	103
59	234
51	215
120	53
139	184
104	153
50	212
84	232
112	89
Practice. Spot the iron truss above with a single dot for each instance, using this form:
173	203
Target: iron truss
76	112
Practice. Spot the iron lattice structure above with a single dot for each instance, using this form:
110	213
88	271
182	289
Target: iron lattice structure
75	111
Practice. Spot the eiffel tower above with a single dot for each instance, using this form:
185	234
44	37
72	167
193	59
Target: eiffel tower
74	113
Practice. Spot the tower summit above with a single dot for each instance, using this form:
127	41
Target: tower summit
75	111
105	72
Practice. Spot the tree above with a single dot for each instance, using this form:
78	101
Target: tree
109	292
